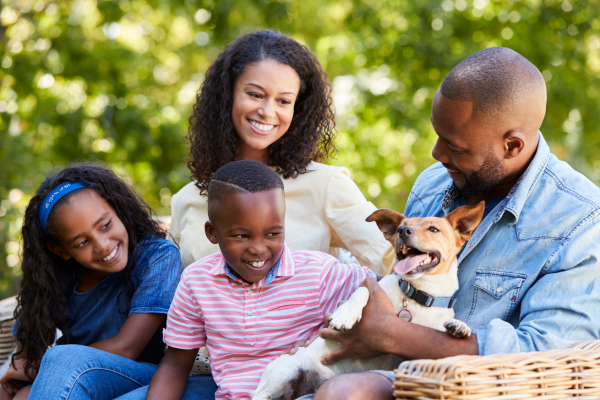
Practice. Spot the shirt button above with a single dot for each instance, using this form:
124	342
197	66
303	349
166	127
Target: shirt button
249	312
499	290
249	291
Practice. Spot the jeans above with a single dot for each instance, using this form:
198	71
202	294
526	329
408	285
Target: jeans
75	372
199	387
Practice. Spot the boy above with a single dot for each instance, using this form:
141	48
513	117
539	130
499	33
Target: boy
255	298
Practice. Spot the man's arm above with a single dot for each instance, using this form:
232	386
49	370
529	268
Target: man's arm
380	331
170	379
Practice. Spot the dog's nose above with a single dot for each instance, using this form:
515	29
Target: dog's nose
405	231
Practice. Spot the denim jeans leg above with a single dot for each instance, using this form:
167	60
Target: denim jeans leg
199	387
73	372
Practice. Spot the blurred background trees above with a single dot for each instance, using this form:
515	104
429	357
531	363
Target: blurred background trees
115	80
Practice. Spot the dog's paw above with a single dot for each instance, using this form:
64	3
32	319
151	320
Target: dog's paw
457	329
345	317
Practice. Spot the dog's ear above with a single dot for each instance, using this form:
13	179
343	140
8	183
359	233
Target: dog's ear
466	219
388	222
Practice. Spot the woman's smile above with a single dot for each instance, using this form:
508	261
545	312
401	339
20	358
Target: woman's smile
260	128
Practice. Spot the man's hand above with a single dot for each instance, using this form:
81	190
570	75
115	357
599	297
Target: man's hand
380	332
368	337
300	343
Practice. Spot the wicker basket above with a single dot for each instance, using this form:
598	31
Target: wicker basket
548	375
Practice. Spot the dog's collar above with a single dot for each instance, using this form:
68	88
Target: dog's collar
424	298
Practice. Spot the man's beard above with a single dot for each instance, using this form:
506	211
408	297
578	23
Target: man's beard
490	173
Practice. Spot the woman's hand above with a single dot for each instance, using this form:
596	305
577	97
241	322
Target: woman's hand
301	343
14	378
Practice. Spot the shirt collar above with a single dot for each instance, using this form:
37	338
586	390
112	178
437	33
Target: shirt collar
522	189
516	198
285	266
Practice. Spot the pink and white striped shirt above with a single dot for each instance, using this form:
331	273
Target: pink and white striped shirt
246	326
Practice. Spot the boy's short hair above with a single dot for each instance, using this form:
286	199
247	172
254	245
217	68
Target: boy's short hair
492	79
244	176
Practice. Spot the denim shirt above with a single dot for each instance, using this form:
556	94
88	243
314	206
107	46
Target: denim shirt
95	315
529	276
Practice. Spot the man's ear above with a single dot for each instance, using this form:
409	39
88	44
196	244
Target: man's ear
514	143
388	222
211	233
56	249
466	219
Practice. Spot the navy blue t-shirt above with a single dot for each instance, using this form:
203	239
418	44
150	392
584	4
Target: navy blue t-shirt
95	316
489	206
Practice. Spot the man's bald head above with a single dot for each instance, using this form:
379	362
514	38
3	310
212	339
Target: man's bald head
496	80
487	114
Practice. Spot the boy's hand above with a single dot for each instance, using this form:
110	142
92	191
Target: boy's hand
169	381
300	343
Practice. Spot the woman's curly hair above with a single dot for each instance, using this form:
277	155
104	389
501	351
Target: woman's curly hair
212	135
48	279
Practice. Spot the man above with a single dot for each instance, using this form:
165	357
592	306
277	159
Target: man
529	276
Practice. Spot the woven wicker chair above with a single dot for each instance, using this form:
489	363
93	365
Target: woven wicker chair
548	375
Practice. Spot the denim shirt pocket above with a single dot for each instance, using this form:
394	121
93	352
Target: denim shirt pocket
495	295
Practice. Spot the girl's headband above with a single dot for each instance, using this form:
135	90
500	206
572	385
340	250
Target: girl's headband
52	198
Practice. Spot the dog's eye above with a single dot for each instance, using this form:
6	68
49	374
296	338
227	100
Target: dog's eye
433	229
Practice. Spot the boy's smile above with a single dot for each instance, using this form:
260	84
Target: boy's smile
249	228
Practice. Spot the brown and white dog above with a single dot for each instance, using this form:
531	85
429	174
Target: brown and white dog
421	290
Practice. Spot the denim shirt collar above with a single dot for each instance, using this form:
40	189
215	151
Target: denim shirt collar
518	195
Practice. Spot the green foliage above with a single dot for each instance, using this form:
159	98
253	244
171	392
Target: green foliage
114	81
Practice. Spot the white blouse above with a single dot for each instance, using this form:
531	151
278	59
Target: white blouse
325	210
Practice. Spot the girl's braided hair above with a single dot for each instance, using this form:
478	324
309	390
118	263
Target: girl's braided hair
212	136
48	279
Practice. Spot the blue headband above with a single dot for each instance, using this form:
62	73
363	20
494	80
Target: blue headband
53	197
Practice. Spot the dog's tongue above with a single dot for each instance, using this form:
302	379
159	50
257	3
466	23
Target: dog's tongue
403	267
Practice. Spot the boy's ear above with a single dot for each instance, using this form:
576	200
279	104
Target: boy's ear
388	222
211	233
56	249
466	219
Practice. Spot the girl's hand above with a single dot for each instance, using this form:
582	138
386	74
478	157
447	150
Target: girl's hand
301	343
4	395
14	378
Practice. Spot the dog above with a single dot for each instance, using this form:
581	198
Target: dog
422	290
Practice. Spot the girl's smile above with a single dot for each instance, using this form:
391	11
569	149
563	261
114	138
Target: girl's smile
113	256
88	230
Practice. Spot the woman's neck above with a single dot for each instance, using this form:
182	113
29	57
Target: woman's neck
247	153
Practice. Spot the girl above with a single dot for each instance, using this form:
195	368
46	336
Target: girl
266	98
99	269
